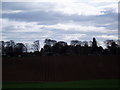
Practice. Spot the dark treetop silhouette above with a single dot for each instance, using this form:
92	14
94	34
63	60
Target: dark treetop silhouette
60	48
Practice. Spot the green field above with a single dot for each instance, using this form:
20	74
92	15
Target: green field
73	84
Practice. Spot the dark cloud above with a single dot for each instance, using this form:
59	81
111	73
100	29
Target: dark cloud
49	17
14	6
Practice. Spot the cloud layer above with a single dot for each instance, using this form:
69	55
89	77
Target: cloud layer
71	20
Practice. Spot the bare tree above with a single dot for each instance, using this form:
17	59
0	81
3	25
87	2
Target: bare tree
9	46
36	45
108	43
27	47
85	43
75	42
2	47
50	42
90	43
20	48
118	43
62	43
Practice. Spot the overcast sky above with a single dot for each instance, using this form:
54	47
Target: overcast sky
60	20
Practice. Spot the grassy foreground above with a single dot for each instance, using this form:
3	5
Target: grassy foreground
72	84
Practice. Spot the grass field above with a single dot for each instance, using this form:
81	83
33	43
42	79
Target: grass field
72	84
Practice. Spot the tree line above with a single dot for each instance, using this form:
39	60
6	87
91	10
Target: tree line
60	48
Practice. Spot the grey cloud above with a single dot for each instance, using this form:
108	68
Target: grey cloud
54	17
108	20
14	6
27	6
37	16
